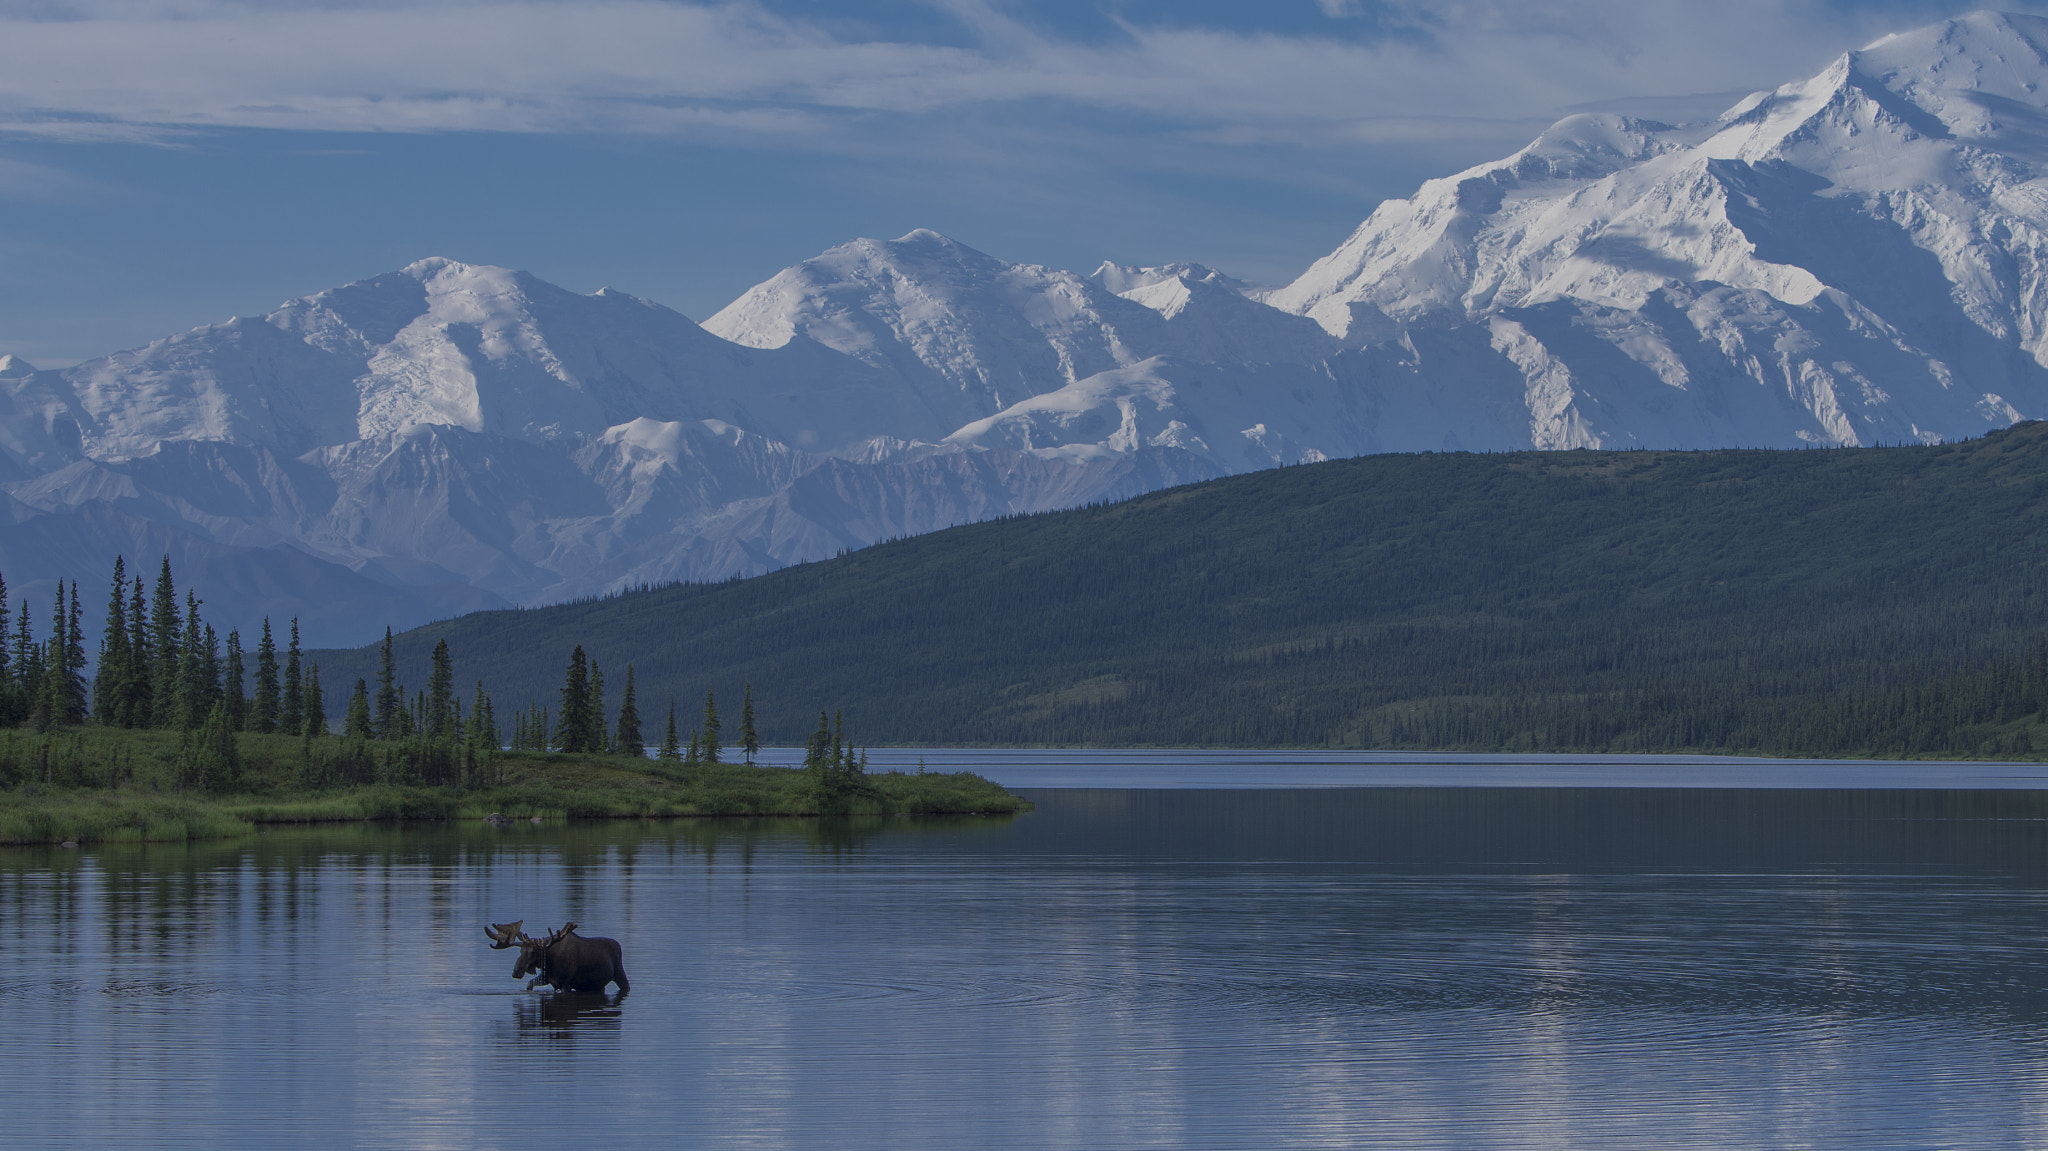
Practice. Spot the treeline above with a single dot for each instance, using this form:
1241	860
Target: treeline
581	724
1841	602
161	666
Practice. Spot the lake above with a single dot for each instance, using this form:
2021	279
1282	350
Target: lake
1520	953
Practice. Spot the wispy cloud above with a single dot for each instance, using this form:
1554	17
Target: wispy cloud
41	183
739	71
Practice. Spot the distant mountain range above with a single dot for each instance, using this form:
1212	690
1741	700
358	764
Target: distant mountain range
1856	258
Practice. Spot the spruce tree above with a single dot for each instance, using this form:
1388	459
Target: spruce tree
192	704
291	711
386	715
572	730
166	641
598	738
76	706
750	741
712	749
136	696
669	750
818	752
60	698
316	704
358	725
264	708
481	730
28	667
210	687
8	715
110	678
441	694
45	713
628	741
231	680
695	755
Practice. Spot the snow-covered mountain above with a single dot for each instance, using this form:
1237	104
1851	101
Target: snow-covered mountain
1854	258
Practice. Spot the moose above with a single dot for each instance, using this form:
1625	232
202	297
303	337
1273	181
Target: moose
563	960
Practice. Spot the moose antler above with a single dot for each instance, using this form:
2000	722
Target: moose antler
504	935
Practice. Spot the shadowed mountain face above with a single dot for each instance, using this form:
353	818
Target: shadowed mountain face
1855	258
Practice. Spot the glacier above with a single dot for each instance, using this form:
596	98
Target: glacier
1854	258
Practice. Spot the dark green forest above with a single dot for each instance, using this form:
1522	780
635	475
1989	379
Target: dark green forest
1830	602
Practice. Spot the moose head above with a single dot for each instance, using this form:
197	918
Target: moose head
534	953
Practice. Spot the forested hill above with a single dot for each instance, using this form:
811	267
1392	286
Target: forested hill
1827	601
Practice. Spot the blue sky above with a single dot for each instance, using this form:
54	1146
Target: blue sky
167	163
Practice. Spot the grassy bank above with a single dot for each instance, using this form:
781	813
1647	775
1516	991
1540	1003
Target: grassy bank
99	785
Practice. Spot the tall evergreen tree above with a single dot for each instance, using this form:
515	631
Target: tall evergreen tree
358	724
232	677
76	705
669	750
750	740
7	716
136	695
60	699
291	710
191	694
711	747
482	729
166	641
8	712
598	738
316	704
210	687
264	707
440	719
386	714
47	710
818	752
28	667
628	741
572	730
110	678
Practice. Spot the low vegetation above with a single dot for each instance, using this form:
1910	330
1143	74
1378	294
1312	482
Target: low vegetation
111	785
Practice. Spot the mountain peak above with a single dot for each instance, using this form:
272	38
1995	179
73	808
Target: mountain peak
13	367
927	236
429	267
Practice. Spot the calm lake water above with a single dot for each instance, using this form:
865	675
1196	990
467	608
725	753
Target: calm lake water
1137	966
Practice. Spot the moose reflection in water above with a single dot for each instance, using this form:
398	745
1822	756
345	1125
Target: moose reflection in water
563	960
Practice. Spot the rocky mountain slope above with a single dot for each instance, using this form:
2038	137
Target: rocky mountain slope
1855	258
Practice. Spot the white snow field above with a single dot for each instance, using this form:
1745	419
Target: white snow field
1855	258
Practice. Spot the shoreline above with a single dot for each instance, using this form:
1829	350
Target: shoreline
107	786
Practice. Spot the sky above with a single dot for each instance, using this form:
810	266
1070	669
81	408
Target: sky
170	163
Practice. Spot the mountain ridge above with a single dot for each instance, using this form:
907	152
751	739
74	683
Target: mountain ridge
1857	257
1729	600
